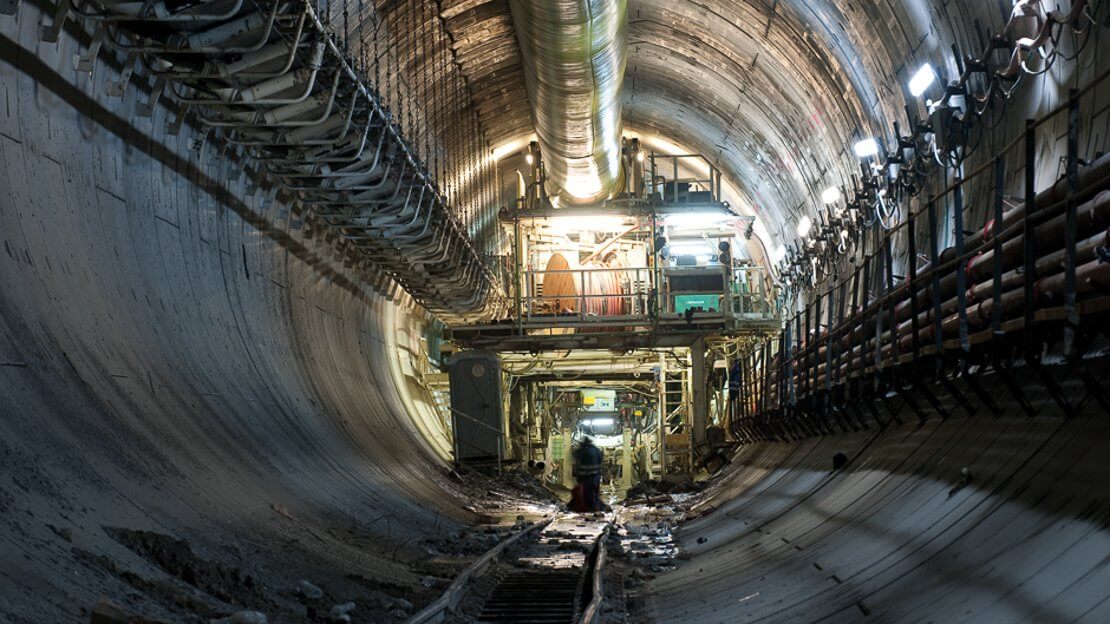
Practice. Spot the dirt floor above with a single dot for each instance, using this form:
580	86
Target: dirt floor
346	570
148	576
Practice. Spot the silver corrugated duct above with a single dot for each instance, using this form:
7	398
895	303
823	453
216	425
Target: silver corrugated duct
574	58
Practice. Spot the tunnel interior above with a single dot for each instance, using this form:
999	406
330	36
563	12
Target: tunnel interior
307	308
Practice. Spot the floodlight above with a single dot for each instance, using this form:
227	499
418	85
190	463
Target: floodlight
690	219
830	195
867	147
922	79
804	226
688	249
591	223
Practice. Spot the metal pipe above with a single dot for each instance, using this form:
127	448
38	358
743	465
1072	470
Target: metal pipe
574	60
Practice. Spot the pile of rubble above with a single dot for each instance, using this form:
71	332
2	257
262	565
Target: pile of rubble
662	491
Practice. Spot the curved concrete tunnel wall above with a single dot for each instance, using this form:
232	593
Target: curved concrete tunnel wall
167	363
898	534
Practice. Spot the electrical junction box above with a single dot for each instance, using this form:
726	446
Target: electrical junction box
599	400
708	302
477	413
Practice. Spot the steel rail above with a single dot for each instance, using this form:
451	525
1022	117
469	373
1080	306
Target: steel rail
455	592
592	613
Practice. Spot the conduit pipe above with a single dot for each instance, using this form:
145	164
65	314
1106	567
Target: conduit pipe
857	342
574	60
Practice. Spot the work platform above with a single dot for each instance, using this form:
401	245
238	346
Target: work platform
656	266
690	303
675	332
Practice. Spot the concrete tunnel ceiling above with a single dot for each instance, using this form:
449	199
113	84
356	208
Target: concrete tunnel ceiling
774	92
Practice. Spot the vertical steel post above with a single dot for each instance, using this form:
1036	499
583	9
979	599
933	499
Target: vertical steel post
1069	230
582	295
876	371
807	353
838	358
934	257
656	270
786	357
765	377
699	400
674	160
796	362
1029	247
961	262
889	258
829	304
745	386
865	302
855	312
996	293
518	270
814	353
911	232
662	431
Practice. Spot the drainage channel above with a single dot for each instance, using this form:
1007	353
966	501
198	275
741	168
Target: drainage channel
549	573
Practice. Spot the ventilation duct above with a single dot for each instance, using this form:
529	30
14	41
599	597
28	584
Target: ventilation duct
574	59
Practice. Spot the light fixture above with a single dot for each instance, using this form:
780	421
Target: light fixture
866	147
529	158
804	226
587	223
688	249
924	77
780	253
830	195
639	157
689	219
600	421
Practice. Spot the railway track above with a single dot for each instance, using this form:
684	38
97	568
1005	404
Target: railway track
549	573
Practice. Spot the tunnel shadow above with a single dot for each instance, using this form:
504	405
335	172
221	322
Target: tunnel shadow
1029	489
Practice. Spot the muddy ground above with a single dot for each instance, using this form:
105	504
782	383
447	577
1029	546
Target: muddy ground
342	569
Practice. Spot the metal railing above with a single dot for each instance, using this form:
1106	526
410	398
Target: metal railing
591	305
668	180
1035	274
750	294
744	295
